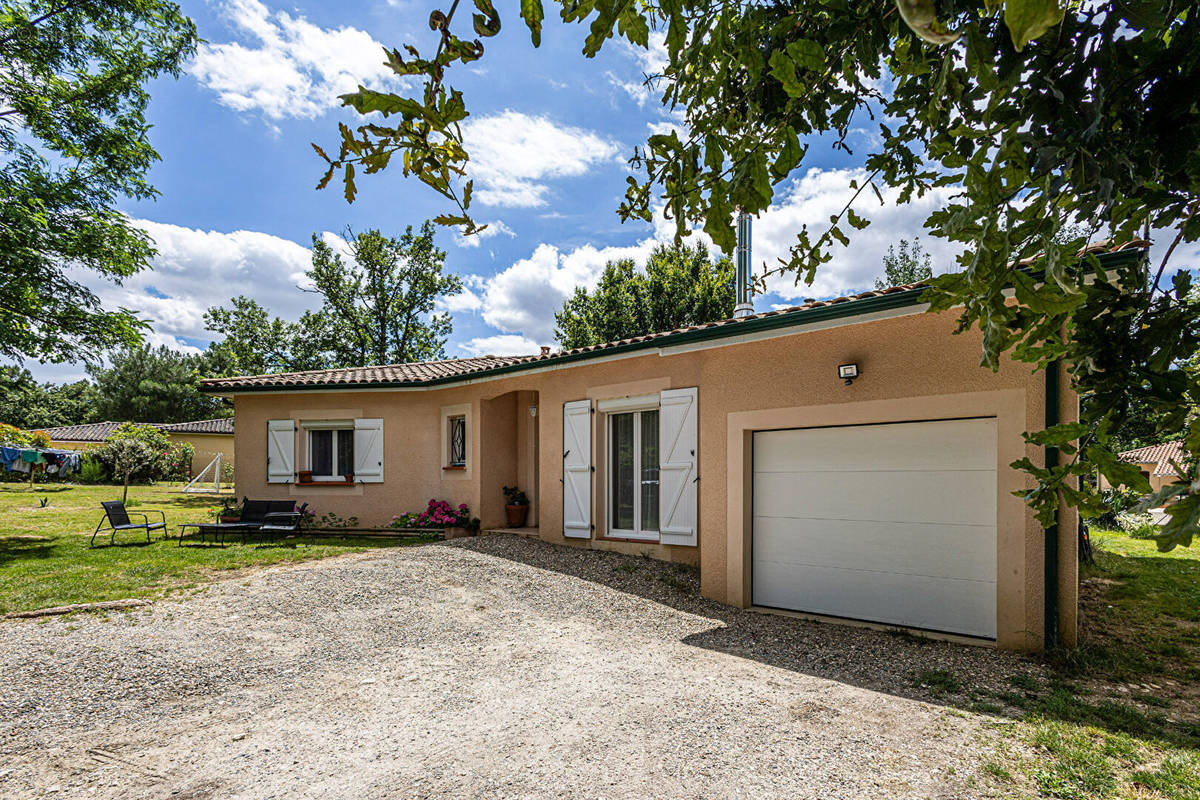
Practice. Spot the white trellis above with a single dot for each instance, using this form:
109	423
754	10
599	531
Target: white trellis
199	482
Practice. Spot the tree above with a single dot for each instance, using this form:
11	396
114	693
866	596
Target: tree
145	384
1039	118
905	265
74	143
130	449
379	308
255	343
26	403
681	286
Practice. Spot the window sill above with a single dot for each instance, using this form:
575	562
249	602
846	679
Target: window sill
325	483
456	468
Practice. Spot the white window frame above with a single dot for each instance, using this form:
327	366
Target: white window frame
339	430
610	465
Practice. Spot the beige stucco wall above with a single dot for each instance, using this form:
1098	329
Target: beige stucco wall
206	447
912	367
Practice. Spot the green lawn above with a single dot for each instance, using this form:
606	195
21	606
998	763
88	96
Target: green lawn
45	559
1120	717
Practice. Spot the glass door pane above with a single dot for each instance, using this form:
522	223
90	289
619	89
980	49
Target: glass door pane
622	472
320	460
345	452
649	469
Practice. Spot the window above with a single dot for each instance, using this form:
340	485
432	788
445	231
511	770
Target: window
331	453
457	431
633	475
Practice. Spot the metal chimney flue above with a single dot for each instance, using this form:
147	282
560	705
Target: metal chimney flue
744	307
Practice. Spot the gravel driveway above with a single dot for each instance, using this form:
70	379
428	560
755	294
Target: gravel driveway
490	667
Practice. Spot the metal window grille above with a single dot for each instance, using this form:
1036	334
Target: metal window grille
458	441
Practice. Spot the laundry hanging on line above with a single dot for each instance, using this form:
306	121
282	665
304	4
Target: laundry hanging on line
51	461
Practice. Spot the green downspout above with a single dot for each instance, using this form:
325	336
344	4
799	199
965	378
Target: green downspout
1050	545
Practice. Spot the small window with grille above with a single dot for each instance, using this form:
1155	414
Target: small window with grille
458	440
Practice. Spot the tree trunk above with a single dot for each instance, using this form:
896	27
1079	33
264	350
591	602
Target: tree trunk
125	491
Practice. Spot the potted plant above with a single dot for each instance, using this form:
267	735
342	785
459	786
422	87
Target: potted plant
516	507
305	476
229	511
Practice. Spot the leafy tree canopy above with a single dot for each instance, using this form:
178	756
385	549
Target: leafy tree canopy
255	343
144	384
905	264
73	143
1040	118
379	307
680	286
25	403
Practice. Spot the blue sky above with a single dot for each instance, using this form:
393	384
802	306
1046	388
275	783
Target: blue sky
549	134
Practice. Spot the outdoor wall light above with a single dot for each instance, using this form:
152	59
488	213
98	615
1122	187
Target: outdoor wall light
848	372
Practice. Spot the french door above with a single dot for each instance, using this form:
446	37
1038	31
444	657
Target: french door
633	479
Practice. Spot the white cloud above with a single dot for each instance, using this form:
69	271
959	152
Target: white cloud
505	344
290	67
196	269
523	298
821	193
493	229
649	62
514	154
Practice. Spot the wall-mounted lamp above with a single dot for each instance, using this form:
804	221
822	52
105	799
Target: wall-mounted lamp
533	411
848	372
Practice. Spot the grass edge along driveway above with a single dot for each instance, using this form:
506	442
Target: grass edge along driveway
45	559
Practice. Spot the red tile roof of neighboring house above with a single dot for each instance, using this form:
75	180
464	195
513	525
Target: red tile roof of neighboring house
99	431
221	425
1160	455
462	368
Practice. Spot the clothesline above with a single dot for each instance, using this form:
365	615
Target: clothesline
51	461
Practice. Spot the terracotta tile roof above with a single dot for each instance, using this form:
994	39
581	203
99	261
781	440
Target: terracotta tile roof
99	431
1161	455
439	371
92	432
223	425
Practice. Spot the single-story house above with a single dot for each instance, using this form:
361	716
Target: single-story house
847	459
1155	463
208	437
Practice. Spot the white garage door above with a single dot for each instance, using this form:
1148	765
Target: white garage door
889	523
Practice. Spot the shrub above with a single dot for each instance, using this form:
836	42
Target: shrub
177	462
1138	525
12	436
438	514
91	470
1117	501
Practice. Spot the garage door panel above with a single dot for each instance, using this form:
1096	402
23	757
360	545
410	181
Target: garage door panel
946	444
936	496
944	551
892	523
941	604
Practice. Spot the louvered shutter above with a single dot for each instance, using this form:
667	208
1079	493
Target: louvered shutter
368	450
281	450
577	469
677	467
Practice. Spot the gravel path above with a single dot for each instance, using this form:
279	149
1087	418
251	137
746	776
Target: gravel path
490	667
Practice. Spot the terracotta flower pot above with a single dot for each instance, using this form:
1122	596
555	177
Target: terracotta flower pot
305	476
225	518
516	515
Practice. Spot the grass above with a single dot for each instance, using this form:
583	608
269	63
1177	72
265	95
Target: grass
45	559
1120	717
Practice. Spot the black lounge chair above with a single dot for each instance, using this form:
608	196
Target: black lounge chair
118	520
277	524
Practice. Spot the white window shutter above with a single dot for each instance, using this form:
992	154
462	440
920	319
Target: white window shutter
577	469
677	467
368	450
281	450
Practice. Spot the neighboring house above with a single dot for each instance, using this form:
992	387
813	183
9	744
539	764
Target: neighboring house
207	437
738	446
1155	463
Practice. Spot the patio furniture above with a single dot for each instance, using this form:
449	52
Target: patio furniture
279	524
118	520
279	515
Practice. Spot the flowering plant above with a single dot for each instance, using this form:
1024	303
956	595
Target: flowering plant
438	514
